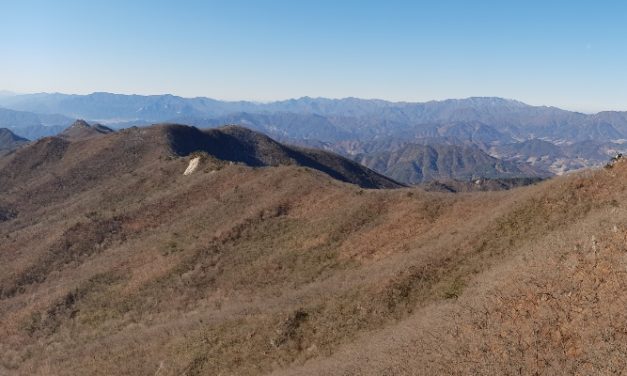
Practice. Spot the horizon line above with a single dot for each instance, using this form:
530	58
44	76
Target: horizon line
13	93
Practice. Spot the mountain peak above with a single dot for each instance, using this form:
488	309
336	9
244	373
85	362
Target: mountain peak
80	123
81	129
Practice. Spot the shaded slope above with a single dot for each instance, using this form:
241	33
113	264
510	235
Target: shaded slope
238	144
10	141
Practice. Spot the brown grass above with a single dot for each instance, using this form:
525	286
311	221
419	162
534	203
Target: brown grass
116	263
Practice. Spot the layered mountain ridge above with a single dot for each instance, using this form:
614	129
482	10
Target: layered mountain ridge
352	126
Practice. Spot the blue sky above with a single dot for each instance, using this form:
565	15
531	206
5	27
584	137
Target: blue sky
571	54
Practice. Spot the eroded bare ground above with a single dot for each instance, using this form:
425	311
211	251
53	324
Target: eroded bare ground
114	262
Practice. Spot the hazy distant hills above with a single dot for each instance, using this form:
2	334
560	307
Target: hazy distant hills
101	106
31	125
9	141
415	164
117	107
349	117
532	138
298	126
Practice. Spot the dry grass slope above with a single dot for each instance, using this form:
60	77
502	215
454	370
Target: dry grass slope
113	262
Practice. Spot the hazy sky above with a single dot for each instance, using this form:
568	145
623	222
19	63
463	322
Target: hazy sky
571	54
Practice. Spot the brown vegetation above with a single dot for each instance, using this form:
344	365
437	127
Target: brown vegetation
113	262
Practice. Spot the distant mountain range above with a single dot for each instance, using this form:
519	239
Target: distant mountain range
33	125
351	116
529	139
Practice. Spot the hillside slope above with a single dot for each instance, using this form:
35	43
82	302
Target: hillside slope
414	164
114	262
81	129
553	306
10	141
230	144
239	144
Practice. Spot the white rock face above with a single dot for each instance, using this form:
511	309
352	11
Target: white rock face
193	165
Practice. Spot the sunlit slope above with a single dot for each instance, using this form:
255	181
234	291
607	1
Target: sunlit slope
116	263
